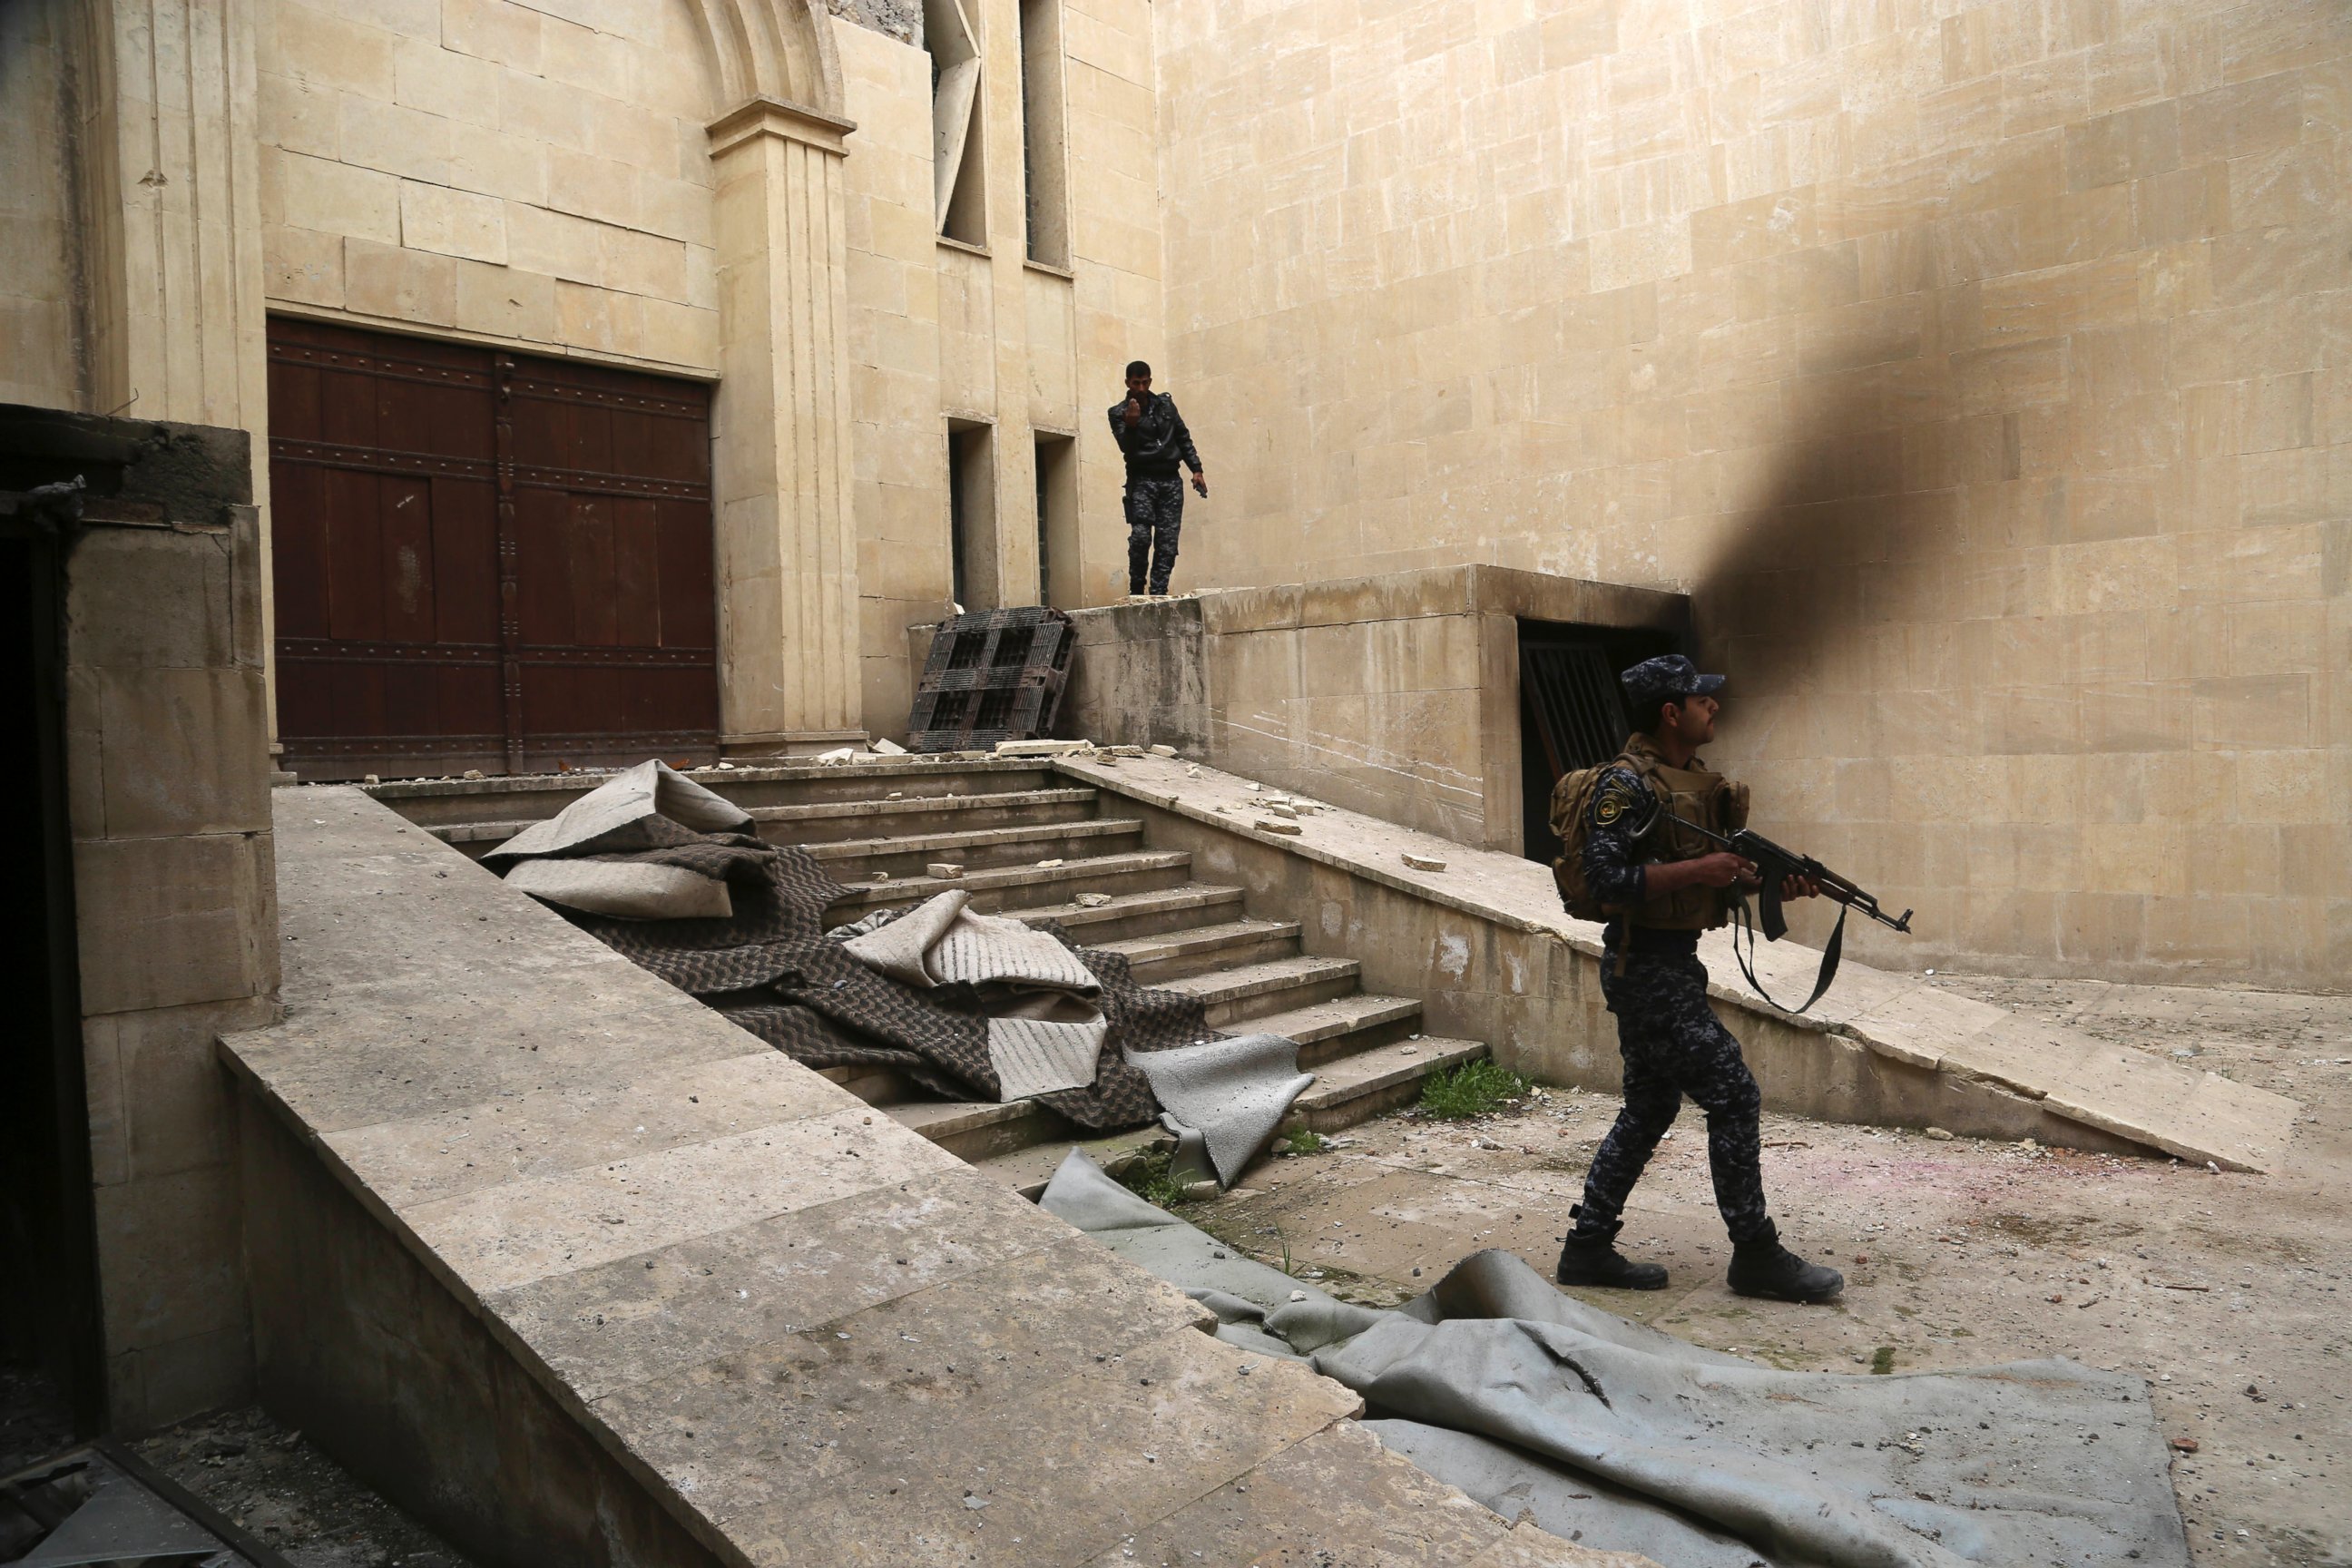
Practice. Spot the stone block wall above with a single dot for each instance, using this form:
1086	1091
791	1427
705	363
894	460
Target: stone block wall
492	169
1394	695
176	901
1981	370
981	335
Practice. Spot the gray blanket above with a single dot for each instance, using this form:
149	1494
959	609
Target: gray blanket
1624	1438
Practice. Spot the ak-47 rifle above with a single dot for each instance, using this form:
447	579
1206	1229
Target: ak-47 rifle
1774	866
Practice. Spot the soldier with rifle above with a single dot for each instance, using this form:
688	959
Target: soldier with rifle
1655	843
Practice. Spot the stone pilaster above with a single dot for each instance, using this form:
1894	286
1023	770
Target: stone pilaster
787	542
171	196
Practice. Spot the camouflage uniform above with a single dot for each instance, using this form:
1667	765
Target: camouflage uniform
1672	1042
1155	514
1154	447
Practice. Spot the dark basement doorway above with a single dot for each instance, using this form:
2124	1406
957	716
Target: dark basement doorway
1571	709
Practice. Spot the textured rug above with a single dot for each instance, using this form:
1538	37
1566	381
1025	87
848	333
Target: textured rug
1622	1438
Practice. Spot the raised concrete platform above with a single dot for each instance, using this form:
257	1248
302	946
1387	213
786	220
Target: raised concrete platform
1484	945
575	1269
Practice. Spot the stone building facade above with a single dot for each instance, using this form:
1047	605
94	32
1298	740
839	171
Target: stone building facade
1979	370
1983	371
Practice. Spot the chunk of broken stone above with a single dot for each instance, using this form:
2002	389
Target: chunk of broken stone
1091	900
1281	810
1265	826
1041	747
1048	865
1940	1135
1425	862
838	754
947	870
887	748
1163	750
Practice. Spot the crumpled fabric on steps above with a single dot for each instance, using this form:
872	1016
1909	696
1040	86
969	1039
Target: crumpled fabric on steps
1223	1100
1622	1438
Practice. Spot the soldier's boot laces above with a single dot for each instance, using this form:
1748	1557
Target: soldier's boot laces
1765	1268
1591	1258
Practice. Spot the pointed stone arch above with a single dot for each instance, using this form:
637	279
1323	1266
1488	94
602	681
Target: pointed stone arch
774	50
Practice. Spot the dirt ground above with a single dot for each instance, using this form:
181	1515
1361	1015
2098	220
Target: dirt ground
262	1474
2230	1293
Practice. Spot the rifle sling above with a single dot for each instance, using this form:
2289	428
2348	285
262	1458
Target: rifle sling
1830	951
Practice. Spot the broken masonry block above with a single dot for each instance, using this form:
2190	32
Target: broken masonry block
1424	862
946	870
1265	826
1041	747
886	748
1163	750
1091	900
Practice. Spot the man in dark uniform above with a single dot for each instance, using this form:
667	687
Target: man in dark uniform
1661	886
1152	437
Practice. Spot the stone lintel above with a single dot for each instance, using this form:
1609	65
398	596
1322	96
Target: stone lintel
761	115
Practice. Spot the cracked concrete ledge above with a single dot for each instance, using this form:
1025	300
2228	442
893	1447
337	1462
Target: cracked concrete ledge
1969	1049
539	1239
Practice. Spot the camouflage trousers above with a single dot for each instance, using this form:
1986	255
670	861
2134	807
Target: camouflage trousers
1674	1046
1155	514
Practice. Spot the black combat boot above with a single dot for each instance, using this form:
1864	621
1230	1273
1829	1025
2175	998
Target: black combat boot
1591	1257
1765	1268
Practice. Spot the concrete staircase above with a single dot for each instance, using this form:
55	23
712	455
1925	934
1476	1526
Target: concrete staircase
1031	845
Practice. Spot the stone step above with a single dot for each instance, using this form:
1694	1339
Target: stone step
1342	1025
857	859
439	802
1023	1150
1017	889
1140	914
1196	950
1237	998
1026	1171
1357	1087
975	1130
829	821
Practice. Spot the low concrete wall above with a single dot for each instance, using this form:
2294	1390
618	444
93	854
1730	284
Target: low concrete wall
1396	696
1483	945
1537	1001
360	1347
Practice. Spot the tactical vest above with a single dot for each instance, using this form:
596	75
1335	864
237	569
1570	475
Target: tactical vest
1694	794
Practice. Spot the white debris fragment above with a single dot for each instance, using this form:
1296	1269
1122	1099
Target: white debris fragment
1268	825
1940	1135
1048	865
1041	747
1193	770
886	748
946	870
1163	750
838	754
473	772
1283	810
1253	787
1298	1294
1091	900
1424	862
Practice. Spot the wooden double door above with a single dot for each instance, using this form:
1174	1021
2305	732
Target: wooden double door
486	559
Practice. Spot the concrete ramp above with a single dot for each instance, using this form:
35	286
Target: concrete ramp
577	1270
1484	945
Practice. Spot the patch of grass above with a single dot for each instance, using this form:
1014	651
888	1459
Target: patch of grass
1147	1176
1474	1088
1302	1140
1882	1360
